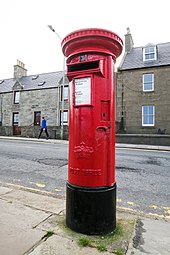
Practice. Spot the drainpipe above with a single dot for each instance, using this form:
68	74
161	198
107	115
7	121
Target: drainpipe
1	110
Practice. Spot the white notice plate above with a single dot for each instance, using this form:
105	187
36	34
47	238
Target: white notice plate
82	91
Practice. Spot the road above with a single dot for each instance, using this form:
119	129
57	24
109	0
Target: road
143	180
142	176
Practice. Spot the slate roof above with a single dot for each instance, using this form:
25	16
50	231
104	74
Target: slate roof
134	59
38	81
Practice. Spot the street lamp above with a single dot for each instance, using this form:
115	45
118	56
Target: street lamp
62	105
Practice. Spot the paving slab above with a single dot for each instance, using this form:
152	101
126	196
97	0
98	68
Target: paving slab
4	190
38	201
57	245
17	227
152	238
57	224
25	218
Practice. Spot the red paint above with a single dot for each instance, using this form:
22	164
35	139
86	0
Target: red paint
91	55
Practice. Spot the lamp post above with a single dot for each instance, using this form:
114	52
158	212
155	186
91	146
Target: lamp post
63	82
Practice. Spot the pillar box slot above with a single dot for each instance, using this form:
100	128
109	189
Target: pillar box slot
83	66
86	67
91	186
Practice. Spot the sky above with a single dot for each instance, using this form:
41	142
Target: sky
24	34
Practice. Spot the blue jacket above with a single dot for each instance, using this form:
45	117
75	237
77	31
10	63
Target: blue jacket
44	124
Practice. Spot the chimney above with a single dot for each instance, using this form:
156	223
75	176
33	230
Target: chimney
128	41
19	70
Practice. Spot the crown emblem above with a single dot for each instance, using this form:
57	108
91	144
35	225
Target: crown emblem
83	151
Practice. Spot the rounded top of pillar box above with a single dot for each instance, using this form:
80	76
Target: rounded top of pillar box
94	40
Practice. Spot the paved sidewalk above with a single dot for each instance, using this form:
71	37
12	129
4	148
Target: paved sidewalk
26	218
118	145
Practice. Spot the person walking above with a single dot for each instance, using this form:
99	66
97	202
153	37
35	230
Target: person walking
43	127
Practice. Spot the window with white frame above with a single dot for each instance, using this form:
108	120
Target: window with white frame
148	115
15	118
65	92
149	53
148	82
16	97
64	96
64	117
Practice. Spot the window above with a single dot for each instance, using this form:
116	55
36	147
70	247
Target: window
64	117
35	77
148	82
65	93
148	115
41	83
16	97
37	118
149	53
15	118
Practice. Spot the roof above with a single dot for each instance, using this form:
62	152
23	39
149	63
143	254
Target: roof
38	81
134	59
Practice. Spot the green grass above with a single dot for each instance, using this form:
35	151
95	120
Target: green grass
101	248
48	234
119	252
118	232
114	242
84	242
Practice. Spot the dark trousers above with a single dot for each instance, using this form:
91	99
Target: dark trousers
42	131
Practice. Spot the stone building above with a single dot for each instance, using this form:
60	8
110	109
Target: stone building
25	99
143	89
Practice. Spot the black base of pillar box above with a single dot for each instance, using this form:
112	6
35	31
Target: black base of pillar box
91	211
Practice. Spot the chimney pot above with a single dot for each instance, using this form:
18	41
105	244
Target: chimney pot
19	70
128	41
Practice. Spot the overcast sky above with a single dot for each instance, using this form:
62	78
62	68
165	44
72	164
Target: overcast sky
24	34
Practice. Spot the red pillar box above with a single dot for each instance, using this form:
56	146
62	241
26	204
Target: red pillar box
91	187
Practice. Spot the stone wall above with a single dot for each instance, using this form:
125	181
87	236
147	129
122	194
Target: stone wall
160	140
130	98
44	100
6	131
33	132
53	131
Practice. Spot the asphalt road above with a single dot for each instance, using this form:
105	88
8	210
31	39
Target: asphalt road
143	180
142	176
